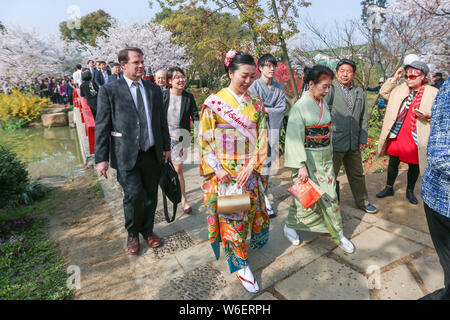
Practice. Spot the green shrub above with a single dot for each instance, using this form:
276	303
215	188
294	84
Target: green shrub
13	124
15	186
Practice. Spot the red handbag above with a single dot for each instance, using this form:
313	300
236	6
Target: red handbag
307	193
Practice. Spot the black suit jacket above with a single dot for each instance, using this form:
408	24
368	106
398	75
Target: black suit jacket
113	77
188	108
99	80
116	113
86	93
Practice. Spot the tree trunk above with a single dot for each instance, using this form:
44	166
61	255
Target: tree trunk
285	50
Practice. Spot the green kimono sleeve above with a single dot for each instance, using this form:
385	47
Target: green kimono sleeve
295	154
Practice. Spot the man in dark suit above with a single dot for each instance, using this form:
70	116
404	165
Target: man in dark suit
102	75
92	69
116	72
131	130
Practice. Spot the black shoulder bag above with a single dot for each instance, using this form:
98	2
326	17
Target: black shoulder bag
170	186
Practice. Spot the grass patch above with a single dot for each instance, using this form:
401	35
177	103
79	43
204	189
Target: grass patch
29	264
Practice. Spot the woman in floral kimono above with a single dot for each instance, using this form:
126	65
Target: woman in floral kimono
233	139
309	154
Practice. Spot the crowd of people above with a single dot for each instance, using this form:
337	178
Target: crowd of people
142	124
144	120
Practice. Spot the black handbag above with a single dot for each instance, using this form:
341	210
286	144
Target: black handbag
170	186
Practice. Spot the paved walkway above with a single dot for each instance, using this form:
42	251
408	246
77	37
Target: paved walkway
392	261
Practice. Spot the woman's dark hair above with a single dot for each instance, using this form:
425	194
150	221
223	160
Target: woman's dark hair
315	73
172	71
239	59
86	76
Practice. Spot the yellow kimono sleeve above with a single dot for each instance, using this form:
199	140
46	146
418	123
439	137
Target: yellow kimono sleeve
262	145
209	163
294	151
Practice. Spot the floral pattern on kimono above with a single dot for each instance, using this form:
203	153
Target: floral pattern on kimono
224	147
325	215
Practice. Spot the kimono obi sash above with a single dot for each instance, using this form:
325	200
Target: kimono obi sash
230	144
318	136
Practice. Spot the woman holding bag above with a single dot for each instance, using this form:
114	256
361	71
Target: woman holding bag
233	141
309	153
180	107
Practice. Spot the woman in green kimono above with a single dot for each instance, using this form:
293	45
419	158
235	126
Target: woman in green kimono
310	155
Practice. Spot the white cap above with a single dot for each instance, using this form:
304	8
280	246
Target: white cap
410	58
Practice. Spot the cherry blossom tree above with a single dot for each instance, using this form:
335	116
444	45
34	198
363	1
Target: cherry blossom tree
154	40
422	27
25	55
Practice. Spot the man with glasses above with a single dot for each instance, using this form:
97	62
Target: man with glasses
273	96
347	103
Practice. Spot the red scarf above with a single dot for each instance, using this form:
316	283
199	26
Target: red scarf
416	105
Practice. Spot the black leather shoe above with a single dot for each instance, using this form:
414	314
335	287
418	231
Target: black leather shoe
388	191
411	197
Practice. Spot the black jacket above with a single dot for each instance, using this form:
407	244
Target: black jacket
116	113
188	108
86	92
113	77
99	80
438	83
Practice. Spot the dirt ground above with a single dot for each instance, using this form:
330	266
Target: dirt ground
87	237
396	209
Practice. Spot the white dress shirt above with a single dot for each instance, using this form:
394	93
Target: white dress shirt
132	88
105	76
77	77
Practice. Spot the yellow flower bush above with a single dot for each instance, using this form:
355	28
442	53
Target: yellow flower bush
21	105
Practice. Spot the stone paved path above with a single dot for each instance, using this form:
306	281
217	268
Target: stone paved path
392	261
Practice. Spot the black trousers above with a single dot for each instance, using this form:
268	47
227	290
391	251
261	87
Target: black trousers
440	234
140	186
413	172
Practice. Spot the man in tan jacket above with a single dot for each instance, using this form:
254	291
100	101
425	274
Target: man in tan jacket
406	126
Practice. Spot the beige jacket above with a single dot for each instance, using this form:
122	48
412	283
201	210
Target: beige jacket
396	97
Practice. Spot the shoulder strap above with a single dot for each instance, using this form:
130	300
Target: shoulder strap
166	211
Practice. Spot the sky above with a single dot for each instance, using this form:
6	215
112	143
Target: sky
46	15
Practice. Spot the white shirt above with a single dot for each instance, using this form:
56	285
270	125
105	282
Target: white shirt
105	76
238	99
77	77
132	88
173	115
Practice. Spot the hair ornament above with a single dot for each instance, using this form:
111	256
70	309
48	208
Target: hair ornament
230	55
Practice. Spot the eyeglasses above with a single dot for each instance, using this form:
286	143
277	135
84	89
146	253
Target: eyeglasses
410	77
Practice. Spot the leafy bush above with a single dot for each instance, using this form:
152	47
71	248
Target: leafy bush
15	186
19	105
13	124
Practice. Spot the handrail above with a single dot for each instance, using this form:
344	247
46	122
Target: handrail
86	117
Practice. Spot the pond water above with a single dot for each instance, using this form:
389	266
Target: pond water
48	152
